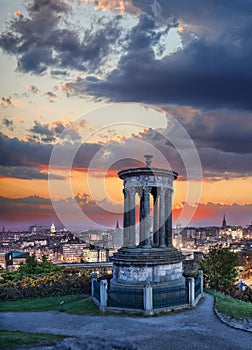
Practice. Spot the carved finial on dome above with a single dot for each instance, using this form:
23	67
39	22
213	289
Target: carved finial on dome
148	159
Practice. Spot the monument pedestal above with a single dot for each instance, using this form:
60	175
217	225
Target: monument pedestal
138	266
147	279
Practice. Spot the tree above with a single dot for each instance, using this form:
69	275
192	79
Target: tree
220	267
31	268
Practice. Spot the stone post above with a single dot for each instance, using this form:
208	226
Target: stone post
132	217
93	278
191	291
201	282
126	219
162	218
103	294
148	299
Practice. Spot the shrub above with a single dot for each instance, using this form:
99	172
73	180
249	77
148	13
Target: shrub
67	281
234	292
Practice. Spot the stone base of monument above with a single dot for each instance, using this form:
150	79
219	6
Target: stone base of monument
138	266
147	281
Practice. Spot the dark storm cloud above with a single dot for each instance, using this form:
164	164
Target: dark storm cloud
196	11
202	74
213	69
26	200
59	128
15	153
26	173
225	130
22	153
40	129
58	72
49	133
216	164
6	102
146	34
8	124
40	40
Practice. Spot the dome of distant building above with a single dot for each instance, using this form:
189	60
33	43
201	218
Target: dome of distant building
53	229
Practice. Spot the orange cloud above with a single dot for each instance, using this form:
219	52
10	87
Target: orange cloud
211	214
118	6
18	14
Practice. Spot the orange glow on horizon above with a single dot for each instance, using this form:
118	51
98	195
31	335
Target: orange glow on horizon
107	182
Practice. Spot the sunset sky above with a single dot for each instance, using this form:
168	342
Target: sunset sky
89	87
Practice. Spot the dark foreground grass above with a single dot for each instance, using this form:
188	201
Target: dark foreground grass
74	304
233	308
14	339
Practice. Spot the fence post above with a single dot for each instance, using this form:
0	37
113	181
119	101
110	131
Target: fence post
148	299
93	279
191	284
103	293
201	282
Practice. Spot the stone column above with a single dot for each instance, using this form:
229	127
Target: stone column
126	219
147	219
141	219
168	218
155	220
132	217
162	218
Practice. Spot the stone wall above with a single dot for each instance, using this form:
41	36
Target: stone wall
154	274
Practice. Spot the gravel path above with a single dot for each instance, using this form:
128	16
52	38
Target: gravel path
198	328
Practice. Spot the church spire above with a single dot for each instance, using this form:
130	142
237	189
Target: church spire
224	222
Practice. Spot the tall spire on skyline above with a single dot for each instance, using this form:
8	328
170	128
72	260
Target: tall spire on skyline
224	222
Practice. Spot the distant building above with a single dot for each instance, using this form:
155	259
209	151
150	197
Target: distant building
13	259
96	255
117	238
233	232
5	260
33	229
224	222
72	252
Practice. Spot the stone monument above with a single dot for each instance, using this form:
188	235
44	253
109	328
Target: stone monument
147	255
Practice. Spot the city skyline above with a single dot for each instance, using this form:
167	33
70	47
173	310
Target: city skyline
89	87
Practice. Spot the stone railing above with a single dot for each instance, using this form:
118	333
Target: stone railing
150	299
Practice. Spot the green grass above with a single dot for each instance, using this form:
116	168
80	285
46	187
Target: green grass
73	304
233	308
14	339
